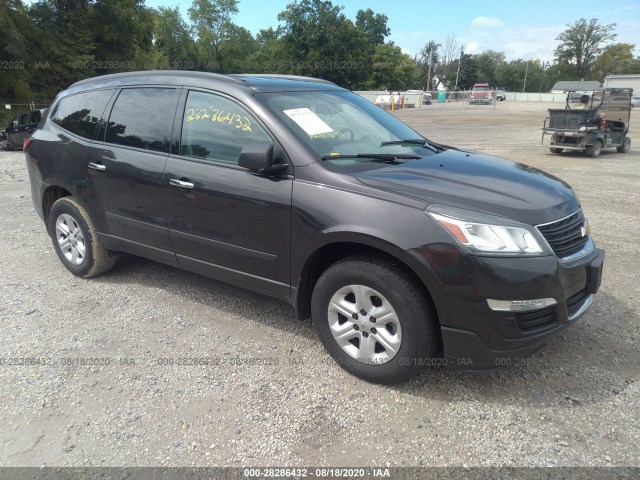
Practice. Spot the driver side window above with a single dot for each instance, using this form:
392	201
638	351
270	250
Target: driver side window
216	128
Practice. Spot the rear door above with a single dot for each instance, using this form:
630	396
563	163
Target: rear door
224	220
125	168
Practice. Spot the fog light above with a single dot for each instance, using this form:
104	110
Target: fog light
520	305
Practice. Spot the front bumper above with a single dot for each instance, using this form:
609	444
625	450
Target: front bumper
476	337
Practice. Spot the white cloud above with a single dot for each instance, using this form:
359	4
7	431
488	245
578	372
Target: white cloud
486	22
471	47
520	42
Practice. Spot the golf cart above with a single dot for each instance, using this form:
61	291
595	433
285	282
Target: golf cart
599	119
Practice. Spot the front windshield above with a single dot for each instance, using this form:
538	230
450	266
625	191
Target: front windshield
338	124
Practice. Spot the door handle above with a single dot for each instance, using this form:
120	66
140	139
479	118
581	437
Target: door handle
97	166
180	183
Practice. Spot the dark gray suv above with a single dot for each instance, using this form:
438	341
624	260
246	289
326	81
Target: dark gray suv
404	252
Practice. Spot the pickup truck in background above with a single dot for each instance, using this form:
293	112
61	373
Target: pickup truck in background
481	93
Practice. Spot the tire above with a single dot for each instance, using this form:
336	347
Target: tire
626	145
84	255
594	150
555	149
410	334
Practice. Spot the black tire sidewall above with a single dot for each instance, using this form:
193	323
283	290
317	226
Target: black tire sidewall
64	206
418	341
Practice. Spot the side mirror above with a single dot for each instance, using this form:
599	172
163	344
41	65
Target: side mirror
259	159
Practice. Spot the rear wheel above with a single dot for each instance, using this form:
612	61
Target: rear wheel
594	150
555	149
374	320
626	145
76	241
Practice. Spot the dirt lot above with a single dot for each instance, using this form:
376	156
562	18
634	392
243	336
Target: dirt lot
576	403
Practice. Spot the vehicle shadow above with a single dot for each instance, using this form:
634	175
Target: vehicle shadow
208	293
586	364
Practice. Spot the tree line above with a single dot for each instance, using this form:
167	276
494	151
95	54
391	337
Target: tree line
47	45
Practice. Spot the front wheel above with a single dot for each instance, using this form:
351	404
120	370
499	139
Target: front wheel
594	150
555	150
76	241
374	320
626	145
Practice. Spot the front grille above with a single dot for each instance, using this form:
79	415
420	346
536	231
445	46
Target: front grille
536	320
565	236
575	301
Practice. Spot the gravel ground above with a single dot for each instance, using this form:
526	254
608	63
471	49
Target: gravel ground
270	394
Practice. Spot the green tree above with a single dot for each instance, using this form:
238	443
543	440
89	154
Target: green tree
239	48
211	20
373	26
319	40
486	64
269	56
172	43
63	39
511	76
468	72
13	50
582	42
123	34
616	59
391	69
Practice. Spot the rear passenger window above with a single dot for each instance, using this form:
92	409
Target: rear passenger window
217	128
141	118
82	113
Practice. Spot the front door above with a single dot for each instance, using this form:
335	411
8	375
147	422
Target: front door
224	220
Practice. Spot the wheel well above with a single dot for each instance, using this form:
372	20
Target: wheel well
326	256
51	195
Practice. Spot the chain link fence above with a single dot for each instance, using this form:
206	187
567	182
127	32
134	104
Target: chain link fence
444	99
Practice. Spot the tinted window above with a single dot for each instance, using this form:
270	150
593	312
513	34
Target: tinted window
81	113
24	119
141	117
217	128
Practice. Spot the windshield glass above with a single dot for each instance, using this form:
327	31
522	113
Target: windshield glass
337	124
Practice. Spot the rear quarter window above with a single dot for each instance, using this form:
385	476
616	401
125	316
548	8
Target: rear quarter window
82	113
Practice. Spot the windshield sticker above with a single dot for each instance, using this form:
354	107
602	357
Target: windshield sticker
308	121
218	116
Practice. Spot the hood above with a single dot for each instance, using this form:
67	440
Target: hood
479	182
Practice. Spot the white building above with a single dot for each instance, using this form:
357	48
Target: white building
623	81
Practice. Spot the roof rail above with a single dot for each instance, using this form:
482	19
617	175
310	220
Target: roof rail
284	76
183	73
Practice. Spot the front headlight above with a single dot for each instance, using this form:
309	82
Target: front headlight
488	238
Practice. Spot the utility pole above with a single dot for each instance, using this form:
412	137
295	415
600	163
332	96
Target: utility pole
526	70
458	72
429	74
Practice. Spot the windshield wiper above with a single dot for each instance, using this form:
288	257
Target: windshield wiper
417	141
414	141
383	157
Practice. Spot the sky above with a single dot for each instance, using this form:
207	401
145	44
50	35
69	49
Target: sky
525	30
